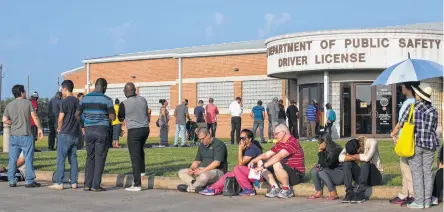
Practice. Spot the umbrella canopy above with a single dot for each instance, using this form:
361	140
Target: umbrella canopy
409	70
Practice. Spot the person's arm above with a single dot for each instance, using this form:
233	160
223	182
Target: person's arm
252	114
187	114
37	123
400	124
163	112
263	156
50	112
6	119
195	113
367	156
121	112
263	114
287	113
241	158
148	113
276	158
111	111
204	116
195	165
60	121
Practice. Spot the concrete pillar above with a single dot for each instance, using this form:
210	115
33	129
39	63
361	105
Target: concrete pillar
326	92
6	134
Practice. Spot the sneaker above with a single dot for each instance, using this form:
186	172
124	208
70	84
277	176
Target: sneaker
134	188
348	197
184	145
199	189
427	205
273	193
247	192
176	145
397	201
13	185
413	205
182	188
74	186
37	150
33	185
142	174
56	186
408	201
434	201
358	198
285	194
99	189
208	192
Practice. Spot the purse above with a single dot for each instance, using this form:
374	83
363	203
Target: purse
406	142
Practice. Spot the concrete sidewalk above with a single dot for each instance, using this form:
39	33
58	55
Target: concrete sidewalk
170	183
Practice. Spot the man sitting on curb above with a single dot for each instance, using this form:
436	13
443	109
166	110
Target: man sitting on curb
210	164
365	152
285	160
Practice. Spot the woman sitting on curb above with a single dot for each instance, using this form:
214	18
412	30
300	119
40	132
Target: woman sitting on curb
248	149
328	169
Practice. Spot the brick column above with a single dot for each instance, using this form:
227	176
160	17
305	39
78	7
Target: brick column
237	89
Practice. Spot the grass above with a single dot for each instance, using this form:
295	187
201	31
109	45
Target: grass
167	161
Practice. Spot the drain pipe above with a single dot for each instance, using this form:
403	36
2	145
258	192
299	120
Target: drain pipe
180	81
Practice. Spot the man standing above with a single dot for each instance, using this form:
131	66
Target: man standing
34	99
212	112
236	121
273	117
134	111
199	113
181	114
406	196
98	111
258	114
209	165
68	138
18	114
285	161
293	116
311	120
53	116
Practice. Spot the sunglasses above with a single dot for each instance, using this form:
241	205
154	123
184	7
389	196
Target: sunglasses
277	133
243	138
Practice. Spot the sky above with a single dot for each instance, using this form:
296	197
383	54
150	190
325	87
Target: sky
45	38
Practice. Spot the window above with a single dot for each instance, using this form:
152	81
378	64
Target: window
221	92
114	93
265	90
153	94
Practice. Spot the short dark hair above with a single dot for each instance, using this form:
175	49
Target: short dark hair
80	94
200	102
117	101
17	90
259	102
68	84
409	86
238	98
59	95
211	100
162	101
101	82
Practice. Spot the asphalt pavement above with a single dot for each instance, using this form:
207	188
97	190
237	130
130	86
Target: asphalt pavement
117	199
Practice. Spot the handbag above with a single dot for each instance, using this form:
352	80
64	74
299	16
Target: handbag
406	142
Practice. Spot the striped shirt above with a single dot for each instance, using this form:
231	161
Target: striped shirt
96	108
296	158
311	113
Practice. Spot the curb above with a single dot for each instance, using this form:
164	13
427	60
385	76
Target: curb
170	183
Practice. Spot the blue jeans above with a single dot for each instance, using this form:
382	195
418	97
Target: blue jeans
180	130
67	147
17	144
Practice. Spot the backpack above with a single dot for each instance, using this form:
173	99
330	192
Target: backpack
332	116
231	187
18	175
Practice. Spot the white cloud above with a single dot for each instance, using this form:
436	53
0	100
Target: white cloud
118	34
218	18
53	40
273	22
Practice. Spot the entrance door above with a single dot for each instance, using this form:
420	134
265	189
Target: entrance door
308	93
374	109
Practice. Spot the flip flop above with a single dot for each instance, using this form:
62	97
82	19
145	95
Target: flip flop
332	198
313	197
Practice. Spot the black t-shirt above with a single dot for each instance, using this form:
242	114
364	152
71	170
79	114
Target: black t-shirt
70	125
199	111
291	112
216	150
281	112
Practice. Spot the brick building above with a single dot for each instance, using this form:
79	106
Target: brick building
328	66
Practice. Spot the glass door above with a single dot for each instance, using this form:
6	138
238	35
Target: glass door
384	110
363	109
308	93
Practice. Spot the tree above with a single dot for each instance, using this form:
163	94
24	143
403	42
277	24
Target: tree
42	112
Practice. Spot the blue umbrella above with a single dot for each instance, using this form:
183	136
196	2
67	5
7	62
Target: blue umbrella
409	70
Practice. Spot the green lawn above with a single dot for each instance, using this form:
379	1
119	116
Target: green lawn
167	161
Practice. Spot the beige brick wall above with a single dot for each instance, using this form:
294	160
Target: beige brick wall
79	79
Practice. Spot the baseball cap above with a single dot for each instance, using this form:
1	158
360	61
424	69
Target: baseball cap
35	94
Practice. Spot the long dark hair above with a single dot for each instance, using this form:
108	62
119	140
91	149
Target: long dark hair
250	134
330	145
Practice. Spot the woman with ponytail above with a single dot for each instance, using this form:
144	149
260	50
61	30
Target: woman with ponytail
248	150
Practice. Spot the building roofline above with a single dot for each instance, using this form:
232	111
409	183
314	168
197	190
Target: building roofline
72	71
221	53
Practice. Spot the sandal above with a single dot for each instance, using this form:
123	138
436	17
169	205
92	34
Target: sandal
313	197
332	198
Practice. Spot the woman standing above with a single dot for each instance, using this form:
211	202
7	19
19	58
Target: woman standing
328	169
331	117
248	150
164	118
117	125
281	115
426	143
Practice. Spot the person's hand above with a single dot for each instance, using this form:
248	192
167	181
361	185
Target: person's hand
83	131
259	168
198	172
190	172
251	164
242	146
40	134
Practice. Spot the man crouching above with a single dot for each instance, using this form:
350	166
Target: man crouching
208	167
285	161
